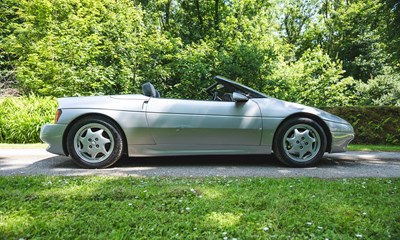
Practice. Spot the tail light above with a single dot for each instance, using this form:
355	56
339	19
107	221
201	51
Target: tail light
58	115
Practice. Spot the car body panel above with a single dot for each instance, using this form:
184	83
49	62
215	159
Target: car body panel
161	127
189	122
52	134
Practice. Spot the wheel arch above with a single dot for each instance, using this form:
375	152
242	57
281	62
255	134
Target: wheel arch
94	115
316	119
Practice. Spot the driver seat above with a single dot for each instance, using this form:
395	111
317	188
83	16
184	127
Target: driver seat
227	97
150	91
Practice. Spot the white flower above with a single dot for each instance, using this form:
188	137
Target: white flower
309	223
320	228
224	233
225	238
129	204
187	209
266	229
359	235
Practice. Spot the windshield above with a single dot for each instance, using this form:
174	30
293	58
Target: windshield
223	89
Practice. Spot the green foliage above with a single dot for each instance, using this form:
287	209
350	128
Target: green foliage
312	80
359	41
383	90
392	11
194	66
311	51
22	118
206	208
77	47
372	125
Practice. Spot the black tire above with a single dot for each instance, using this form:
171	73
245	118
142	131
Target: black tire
95	142
300	142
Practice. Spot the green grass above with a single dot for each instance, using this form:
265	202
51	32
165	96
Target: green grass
383	148
198	208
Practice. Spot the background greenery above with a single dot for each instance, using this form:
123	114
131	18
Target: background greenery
372	125
21	118
316	52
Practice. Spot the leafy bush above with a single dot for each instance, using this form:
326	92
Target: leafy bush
372	125
78	47
382	90
22	118
313	80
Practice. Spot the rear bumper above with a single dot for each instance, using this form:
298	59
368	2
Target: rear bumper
52	134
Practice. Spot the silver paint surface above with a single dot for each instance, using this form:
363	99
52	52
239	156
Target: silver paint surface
161	127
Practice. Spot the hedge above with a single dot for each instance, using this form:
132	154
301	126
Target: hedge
372	125
21	119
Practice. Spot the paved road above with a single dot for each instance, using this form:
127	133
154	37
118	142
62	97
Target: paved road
343	165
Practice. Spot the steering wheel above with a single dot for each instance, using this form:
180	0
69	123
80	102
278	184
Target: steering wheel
215	96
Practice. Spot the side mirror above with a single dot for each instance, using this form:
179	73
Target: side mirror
237	97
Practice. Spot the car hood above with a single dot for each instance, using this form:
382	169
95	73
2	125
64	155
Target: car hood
273	107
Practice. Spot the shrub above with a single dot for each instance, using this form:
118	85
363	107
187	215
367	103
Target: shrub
313	80
22	118
383	90
372	125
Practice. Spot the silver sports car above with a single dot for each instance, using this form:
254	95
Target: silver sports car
97	131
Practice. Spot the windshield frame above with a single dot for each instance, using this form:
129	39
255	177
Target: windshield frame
234	87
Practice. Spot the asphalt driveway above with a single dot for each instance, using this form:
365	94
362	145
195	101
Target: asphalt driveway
343	165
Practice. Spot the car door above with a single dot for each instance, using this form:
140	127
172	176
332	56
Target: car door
191	122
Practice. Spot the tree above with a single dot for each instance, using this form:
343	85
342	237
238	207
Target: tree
383	90
313	80
62	47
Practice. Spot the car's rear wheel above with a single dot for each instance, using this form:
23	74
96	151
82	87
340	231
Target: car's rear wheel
95	142
300	142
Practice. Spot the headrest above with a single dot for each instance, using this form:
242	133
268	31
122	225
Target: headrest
149	90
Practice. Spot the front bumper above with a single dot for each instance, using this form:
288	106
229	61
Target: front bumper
52	134
342	135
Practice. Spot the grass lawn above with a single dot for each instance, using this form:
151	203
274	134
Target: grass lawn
198	208
383	148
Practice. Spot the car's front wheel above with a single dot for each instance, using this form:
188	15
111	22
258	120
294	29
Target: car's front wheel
95	142
300	142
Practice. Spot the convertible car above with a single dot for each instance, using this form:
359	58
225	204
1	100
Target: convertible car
97	131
